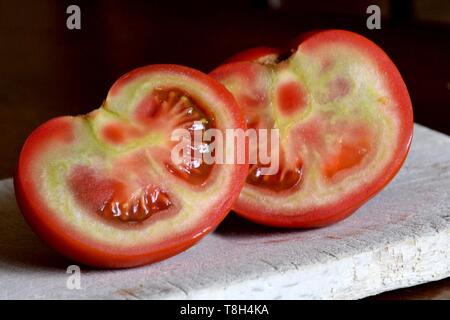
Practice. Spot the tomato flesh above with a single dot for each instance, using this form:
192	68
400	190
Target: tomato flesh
177	109
345	122
291	97
111	200
285	179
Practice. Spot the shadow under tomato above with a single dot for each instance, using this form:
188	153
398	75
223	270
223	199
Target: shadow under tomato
234	225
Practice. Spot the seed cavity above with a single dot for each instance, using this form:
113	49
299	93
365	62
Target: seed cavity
141	205
346	156
182	112
111	198
287	177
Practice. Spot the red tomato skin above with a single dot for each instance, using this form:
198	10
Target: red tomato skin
73	244
254	54
294	43
323	216
257	53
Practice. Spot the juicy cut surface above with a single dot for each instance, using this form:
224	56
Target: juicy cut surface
112	179
341	123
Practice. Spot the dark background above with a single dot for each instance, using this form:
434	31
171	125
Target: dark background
47	70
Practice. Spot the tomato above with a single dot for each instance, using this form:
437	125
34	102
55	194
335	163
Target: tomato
102	189
345	122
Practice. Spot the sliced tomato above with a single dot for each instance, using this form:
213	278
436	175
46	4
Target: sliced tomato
102	188
345	121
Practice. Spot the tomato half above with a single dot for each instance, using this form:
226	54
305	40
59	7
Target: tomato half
345	121
102	189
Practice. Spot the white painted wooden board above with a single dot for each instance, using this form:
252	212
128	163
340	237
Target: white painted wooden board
400	238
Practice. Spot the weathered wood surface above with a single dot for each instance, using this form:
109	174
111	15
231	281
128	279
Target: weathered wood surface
400	238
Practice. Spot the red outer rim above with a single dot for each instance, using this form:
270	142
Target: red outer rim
253	54
322	216
73	244
293	45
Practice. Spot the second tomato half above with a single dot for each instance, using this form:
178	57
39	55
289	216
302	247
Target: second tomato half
345	124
